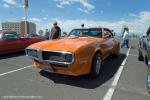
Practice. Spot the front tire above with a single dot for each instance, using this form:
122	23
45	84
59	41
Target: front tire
96	65
140	56
148	80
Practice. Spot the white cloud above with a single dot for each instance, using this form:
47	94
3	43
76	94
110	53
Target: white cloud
6	6
45	18
36	20
87	7
145	16
138	25
59	6
65	2
10	2
132	15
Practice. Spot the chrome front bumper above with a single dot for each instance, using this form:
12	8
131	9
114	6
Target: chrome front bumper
48	69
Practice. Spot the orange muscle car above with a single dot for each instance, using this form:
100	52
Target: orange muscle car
81	52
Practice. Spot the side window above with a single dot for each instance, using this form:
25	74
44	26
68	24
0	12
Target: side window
107	33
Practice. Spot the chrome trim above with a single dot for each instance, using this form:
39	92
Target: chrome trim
57	62
38	54
40	58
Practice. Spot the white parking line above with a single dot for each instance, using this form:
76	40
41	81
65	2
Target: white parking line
111	90
15	70
133	55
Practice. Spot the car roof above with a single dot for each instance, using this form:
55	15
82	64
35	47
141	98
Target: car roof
5	31
99	27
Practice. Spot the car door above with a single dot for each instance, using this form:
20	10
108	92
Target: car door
25	42
108	42
10	41
2	43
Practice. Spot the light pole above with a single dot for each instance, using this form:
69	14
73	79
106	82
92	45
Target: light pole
25	6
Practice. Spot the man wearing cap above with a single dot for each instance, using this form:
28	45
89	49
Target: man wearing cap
82	25
55	31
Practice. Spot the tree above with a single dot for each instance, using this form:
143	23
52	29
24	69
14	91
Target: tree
40	32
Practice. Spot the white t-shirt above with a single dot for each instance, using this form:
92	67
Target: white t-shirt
126	35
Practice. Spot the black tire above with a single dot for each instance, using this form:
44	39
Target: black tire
146	60
96	65
148	79
140	57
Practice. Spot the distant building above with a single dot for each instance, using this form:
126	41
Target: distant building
19	27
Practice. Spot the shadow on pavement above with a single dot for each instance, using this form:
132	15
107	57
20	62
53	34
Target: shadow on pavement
11	55
109	69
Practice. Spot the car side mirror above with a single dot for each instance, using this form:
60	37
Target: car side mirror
114	34
144	36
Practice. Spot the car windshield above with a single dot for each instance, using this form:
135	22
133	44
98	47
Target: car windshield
86	33
10	35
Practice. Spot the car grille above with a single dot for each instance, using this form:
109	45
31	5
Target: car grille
58	57
47	54
53	57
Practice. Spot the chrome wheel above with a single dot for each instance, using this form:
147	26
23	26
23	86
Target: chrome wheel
98	64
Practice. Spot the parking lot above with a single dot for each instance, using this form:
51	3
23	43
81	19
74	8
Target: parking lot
122	78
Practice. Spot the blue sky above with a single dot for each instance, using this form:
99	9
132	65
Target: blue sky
71	13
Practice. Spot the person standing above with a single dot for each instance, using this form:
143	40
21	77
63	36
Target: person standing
125	38
55	31
47	34
82	25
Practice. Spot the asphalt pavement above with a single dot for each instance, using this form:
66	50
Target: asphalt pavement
121	78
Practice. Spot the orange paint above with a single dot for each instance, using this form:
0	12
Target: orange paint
83	48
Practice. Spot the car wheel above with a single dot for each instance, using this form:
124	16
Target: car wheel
96	65
140	57
148	80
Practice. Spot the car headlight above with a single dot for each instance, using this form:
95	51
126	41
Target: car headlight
32	53
148	80
68	58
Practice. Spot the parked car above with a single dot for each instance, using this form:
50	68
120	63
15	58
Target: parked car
82	52
144	53
10	42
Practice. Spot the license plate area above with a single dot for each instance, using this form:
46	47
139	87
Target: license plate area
48	68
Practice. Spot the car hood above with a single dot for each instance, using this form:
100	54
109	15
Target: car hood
66	44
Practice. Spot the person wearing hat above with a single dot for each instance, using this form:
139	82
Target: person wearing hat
82	25
55	31
46	34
